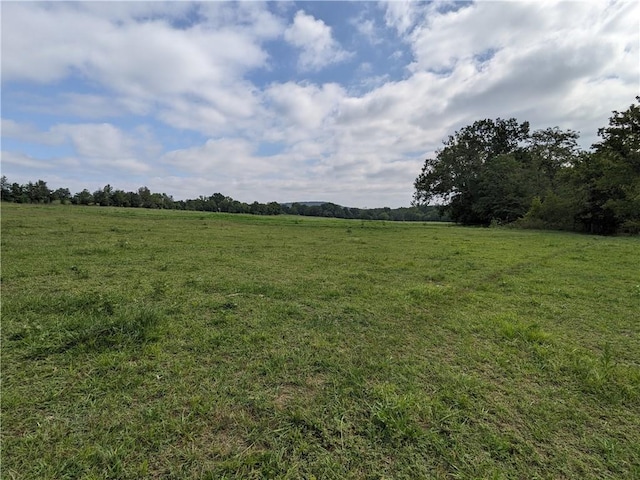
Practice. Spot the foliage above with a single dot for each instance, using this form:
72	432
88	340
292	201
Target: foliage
498	172
611	176
458	174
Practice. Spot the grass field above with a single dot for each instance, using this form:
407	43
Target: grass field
165	344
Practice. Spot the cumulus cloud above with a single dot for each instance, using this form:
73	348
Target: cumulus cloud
94	145
367	25
135	52
228	155
146	54
441	40
314	38
97	140
253	18
27	132
401	14
367	28
23	160
231	165
304	106
526	59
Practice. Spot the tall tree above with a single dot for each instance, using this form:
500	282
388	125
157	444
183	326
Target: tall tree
611	176
19	193
63	195
454	175
119	198
38	192
83	198
504	191
551	150
145	197
6	189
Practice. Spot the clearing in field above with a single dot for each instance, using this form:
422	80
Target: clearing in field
166	344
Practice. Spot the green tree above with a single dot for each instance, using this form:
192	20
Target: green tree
103	197
119	198
552	152
38	192
164	201
610	176
83	198
453	176
63	195
19	194
7	195
157	200
146	198
504	192
553	156
107	190
257	208
220	203
273	208
134	200
553	149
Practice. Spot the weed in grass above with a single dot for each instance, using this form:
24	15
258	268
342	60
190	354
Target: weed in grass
513	329
393	417
605	377
159	289
429	294
79	272
95	332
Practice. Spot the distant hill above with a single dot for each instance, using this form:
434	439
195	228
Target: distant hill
306	204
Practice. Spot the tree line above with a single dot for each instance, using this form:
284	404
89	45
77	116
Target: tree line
39	192
490	172
498	172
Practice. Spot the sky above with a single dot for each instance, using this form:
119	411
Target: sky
294	101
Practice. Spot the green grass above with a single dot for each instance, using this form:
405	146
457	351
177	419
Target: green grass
164	344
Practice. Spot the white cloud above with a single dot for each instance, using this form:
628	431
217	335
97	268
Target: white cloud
213	110
132	12
303	106
231	165
400	14
97	140
524	59
217	157
26	132
314	38
367	28
22	160
442	40
144	55
87	105
53	45
136	53
100	145
366	24
252	18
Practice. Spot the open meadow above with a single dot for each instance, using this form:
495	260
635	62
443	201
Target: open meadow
170	344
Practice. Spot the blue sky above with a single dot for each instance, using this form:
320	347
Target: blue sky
294	101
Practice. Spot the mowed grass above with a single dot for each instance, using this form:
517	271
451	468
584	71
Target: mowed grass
165	344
